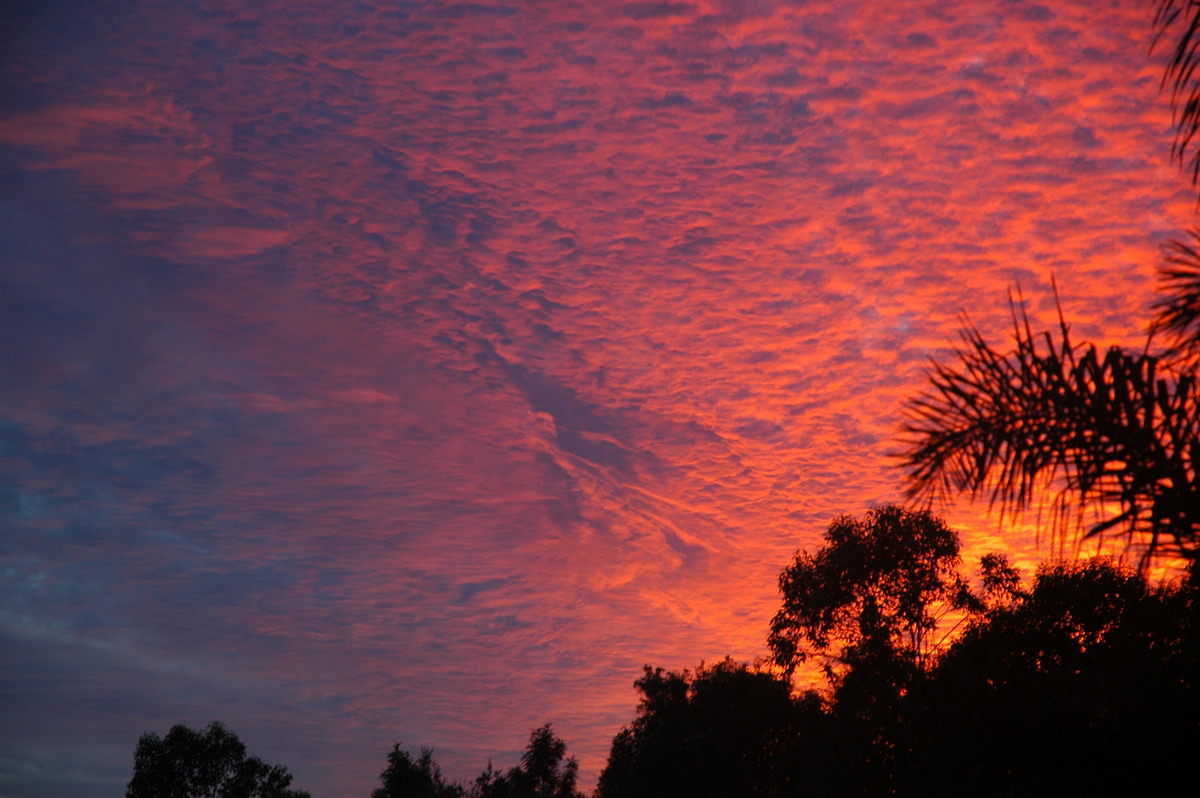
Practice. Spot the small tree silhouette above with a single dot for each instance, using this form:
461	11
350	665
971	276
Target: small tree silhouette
406	777
545	771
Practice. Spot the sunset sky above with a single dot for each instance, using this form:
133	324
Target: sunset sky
417	371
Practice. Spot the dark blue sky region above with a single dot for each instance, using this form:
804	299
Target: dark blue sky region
418	371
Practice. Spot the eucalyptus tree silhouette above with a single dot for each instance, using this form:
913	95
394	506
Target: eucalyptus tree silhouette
209	764
867	607
406	777
545	772
720	730
870	599
1114	435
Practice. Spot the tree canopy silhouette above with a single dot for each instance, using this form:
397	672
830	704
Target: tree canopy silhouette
406	777
208	764
870	597
1084	684
545	771
717	731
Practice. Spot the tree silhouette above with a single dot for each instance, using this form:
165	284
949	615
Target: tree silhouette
871	597
1116	434
545	772
867	606
1086	683
209	764
406	777
720	730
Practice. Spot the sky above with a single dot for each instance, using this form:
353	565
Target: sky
416	372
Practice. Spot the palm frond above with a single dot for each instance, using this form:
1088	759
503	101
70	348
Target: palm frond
1112	435
1178	21
1178	308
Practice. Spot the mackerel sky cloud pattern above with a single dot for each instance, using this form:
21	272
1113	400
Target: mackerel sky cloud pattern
417	371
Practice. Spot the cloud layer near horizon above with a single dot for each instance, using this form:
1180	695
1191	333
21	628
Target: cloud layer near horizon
418	371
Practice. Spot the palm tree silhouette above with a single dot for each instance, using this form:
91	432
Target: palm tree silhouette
1108	442
1178	312
1111	436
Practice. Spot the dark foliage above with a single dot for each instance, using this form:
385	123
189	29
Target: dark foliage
406	777
870	599
545	772
718	731
209	764
868	605
1086	684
